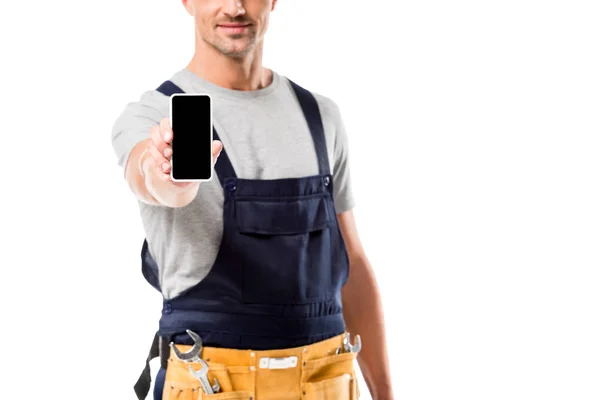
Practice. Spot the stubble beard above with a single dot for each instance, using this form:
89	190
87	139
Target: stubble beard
234	46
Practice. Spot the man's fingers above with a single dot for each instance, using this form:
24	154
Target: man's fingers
161	152
160	161
217	146
165	130
158	141
164	177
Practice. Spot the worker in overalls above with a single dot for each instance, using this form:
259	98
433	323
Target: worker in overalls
267	292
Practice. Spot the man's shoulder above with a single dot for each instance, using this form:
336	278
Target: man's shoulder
328	107
152	100
178	78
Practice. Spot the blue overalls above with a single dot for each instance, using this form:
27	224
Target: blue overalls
277	279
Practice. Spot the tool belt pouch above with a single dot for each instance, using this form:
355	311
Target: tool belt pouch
330	377
180	384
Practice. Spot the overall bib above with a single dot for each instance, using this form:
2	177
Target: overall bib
274	290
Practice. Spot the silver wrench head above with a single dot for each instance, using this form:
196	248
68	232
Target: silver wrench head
192	354
355	348
358	345
346	342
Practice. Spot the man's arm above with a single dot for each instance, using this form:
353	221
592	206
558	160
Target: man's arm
363	313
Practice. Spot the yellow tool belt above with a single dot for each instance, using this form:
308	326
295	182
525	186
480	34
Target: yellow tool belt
309	373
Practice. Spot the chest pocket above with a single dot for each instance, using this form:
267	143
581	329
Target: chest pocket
286	248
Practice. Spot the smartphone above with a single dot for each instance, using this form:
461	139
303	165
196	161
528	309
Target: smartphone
192	125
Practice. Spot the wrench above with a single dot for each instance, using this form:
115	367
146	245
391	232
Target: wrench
355	348
202	376
347	347
193	355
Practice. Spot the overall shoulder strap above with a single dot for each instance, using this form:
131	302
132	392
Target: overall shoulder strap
310	108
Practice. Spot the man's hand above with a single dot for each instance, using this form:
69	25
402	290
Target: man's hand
159	148
149	165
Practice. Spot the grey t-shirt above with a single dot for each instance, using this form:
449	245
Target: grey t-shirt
265	135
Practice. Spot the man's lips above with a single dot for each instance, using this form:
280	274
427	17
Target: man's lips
233	28
233	25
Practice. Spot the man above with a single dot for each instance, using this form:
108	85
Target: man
263	264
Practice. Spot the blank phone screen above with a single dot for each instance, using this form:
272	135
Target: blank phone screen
191	123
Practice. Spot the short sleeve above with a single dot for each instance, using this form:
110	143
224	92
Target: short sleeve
134	123
342	182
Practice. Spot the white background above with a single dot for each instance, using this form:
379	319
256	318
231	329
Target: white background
474	142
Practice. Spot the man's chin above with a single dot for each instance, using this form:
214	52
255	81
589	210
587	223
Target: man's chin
237	50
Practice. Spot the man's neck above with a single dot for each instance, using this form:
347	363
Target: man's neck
236	74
